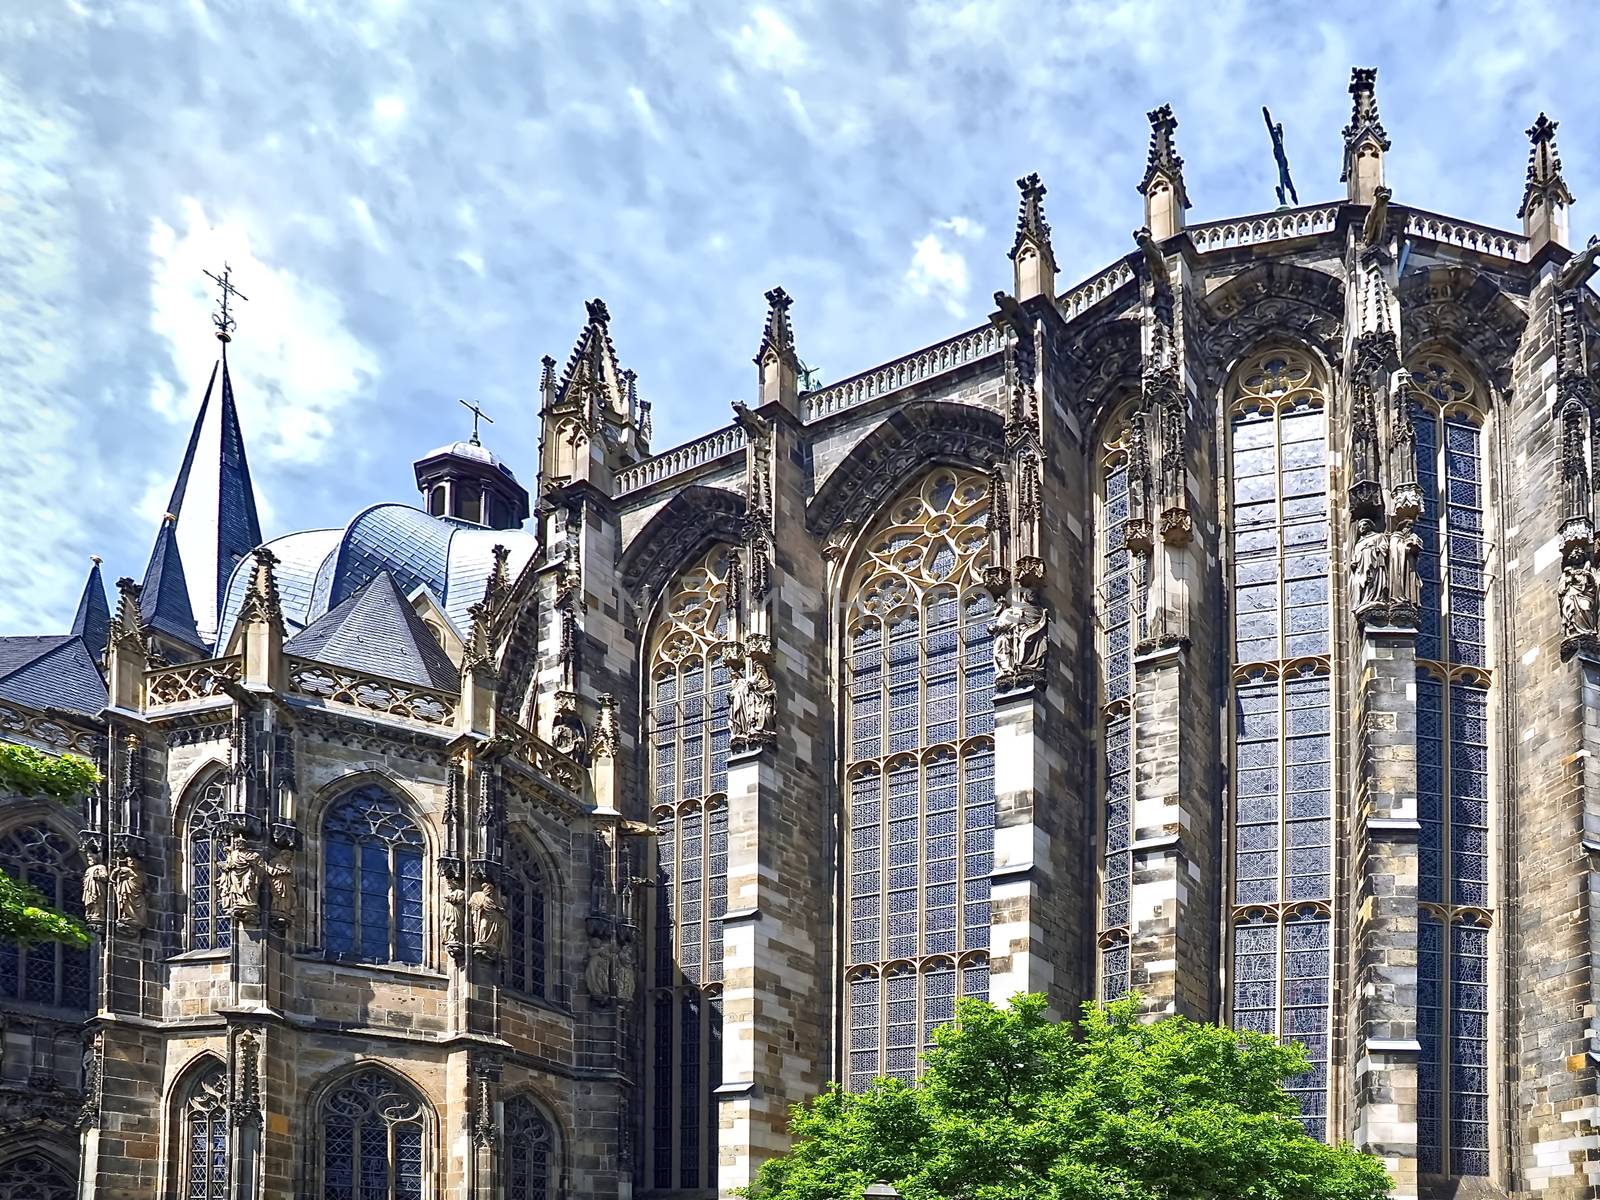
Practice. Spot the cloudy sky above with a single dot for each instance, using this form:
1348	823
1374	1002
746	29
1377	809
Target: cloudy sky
418	197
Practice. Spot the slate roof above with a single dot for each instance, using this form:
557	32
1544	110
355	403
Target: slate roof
376	630
93	622
164	601
54	671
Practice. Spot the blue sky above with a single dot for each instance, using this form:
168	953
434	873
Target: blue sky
419	196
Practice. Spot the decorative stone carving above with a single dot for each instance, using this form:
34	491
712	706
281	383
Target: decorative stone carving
1405	584
488	922
240	882
450	919
600	973
1019	642
626	974
283	899
1369	569
568	734
1580	606
607	735
94	1049
96	888
128	894
752	705
244	1077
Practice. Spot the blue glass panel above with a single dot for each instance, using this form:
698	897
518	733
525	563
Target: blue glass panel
339	916
408	924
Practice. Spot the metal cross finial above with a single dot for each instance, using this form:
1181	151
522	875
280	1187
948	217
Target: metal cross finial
222	319
1286	192
477	415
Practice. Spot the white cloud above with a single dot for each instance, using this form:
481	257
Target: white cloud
646	114
938	273
963	227
768	43
389	111
296	365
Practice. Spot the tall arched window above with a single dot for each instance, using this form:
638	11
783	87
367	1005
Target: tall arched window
532	1168
524	886
372	858
919	774
209	927
1453	767
689	680
35	1176
1282	819
373	1129
47	974
202	1133
1120	596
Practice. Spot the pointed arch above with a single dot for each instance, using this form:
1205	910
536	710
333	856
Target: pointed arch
1275	300
37	1170
903	445
201	815
531	886
1466	309
684	527
534	1145
375	849
371	1123
38	847
198	1136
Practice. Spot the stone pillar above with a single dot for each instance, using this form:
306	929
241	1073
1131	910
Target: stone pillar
1383	1046
779	995
1019	961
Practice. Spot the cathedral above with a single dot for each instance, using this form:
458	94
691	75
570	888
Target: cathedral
1222	628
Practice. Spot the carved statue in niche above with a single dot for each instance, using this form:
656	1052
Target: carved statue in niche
487	920
600	973
625	974
752	704
240	883
1019	641
1369	568
96	888
1580	600
450	917
127	890
568	734
1405	584
281	894
1364	476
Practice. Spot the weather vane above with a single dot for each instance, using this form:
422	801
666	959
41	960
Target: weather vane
477	415
222	319
1286	192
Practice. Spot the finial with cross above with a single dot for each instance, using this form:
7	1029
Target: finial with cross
222	319
477	415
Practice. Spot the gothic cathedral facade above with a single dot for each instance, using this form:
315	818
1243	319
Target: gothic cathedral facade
1223	628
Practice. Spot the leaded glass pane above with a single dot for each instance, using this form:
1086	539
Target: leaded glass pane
372	880
530	1151
45	973
205	1128
372	1140
209	926
919	788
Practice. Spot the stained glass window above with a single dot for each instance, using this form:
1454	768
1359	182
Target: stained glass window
689	769
1120	599
203	1126
45	973
372	880
1453	766
372	1129
35	1176
525	905
531	1163
919	779
1282	714
209	926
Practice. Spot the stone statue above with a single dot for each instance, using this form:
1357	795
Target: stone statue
240	884
1405	585
281	892
450	916
600	973
1369	568
626	974
487	921
1019	641
1580	604
96	889
127	891
752	704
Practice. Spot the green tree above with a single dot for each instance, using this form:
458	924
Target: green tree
1014	1105
25	916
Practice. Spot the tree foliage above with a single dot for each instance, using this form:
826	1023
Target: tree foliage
25	915
1014	1105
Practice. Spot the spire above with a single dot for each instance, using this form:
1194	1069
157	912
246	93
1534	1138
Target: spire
126	649
1546	197
1165	196
165	609
1033	259
587	425
258	634
777	364
1364	138
93	622
213	500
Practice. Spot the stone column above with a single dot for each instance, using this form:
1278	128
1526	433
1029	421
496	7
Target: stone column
1383	1047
